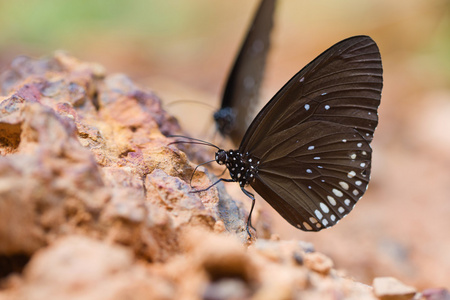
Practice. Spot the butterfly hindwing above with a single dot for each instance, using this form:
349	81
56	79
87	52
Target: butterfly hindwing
318	172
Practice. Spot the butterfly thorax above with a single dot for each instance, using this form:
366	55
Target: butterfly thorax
243	167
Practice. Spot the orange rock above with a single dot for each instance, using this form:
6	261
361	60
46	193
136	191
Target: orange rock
95	203
388	288
318	262
77	267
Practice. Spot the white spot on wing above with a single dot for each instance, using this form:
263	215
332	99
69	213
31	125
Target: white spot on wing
307	106
331	200
308	171
351	174
358	182
338	193
324	207
355	192
318	214
347	202
327	107
325	222
341	210
344	185
311	148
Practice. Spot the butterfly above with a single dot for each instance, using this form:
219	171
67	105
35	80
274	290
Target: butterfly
307	152
241	92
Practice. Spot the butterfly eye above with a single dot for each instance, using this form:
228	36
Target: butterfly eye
221	157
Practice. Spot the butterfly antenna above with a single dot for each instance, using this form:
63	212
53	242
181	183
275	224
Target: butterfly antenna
206	130
191	101
191	141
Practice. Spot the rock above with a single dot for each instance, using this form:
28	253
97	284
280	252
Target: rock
96	203
318	262
77	267
435	294
388	288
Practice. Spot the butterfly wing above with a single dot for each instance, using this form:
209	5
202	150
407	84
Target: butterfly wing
240	96
313	138
346	79
315	174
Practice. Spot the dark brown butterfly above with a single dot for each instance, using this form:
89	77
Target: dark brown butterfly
307	152
241	92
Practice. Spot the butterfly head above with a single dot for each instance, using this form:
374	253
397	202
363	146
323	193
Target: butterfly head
221	157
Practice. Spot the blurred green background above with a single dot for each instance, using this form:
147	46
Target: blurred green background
195	41
182	49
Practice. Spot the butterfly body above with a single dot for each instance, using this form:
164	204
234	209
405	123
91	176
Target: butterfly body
243	167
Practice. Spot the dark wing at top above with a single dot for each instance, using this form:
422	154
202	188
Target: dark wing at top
313	138
240	96
347	78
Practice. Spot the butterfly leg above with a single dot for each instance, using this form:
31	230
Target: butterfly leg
249	220
203	190
195	170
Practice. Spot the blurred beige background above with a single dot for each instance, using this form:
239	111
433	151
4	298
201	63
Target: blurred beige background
182	49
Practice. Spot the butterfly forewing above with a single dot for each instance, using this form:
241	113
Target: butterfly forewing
240	96
313	138
342	85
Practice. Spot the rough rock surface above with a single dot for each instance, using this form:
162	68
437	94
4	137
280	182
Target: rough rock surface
95	203
388	288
